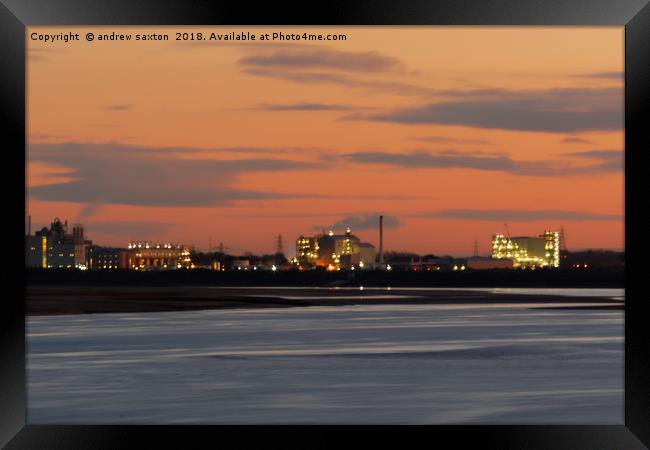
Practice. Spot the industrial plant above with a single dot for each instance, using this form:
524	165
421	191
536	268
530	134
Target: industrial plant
143	255
338	251
526	251
334	251
55	247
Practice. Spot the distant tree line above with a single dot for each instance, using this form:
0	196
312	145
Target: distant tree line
592	258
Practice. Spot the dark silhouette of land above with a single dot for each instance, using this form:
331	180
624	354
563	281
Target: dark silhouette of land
591	278
74	292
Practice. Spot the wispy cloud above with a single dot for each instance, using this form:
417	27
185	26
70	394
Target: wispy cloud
88	211
341	79
303	106
371	61
134	229
610	75
362	221
451	140
554	110
513	215
574	140
605	162
117	107
122	174
608	155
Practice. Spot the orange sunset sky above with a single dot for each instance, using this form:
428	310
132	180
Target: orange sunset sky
449	132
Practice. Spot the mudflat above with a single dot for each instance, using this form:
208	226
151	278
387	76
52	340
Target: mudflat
57	300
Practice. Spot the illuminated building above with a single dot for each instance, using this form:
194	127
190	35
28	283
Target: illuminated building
307	250
528	252
367	254
144	255
56	248
334	251
105	258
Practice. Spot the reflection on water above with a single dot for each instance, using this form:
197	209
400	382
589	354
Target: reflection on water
349	364
618	293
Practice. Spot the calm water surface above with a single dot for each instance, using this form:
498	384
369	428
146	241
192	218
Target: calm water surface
430	364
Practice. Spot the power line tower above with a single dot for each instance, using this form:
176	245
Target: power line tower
222	248
280	248
280	259
475	248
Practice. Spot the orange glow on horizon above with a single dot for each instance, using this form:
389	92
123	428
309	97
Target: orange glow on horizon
198	142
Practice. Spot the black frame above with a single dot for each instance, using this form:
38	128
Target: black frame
15	15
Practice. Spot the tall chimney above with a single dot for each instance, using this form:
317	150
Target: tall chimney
29	227
381	240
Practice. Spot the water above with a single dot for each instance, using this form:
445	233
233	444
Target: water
423	364
571	292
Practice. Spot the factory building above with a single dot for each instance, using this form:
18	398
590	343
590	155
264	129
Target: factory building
528	252
307	250
145	256
56	248
334	251
105	258
367	254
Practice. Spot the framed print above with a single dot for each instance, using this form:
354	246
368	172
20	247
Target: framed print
365	214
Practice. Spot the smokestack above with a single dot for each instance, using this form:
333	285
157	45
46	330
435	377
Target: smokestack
29	227
381	240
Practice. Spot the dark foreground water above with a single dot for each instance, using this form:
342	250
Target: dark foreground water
425	364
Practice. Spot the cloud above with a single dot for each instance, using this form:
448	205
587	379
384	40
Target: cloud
121	107
610	75
509	215
394	87
364	221
607	155
496	162
40	54
574	140
304	106
135	229
555	110
88	211
443	160
451	140
606	160
329	59
116	173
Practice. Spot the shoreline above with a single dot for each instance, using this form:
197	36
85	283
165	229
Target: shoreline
60	300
